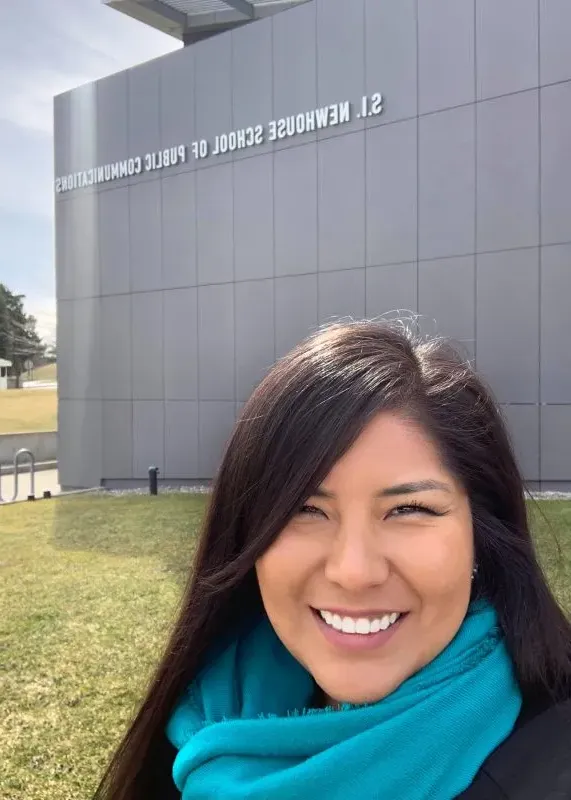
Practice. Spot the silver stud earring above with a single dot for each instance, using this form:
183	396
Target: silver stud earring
474	571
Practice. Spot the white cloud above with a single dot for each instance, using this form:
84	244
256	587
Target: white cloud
26	165
27	98
48	47
69	44
45	313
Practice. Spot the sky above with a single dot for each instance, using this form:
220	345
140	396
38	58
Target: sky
48	47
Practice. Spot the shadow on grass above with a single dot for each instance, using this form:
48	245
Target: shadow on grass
165	526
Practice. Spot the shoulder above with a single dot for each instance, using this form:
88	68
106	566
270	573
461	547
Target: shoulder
534	762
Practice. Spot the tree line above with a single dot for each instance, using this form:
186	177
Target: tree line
19	339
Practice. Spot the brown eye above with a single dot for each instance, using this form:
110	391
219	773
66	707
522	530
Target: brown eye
308	510
415	508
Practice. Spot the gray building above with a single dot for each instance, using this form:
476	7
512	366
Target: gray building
299	161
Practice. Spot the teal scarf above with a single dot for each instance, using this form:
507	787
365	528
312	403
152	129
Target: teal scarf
243	729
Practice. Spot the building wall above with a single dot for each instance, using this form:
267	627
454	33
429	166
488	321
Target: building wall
177	289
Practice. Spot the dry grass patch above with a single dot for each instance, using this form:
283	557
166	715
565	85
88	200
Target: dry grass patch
24	410
46	373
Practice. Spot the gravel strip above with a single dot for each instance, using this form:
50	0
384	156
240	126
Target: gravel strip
551	495
162	490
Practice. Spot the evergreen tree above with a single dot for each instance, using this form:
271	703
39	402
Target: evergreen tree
4	325
19	339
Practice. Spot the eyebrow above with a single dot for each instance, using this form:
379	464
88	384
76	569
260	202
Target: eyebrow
398	489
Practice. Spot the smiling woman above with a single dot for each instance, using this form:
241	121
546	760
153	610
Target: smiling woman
366	616
394	563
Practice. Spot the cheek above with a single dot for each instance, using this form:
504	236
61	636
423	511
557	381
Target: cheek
285	570
439	562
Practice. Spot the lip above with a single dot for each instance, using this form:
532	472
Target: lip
357	642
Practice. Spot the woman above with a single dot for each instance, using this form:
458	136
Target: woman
366	616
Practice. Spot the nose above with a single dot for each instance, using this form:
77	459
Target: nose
356	561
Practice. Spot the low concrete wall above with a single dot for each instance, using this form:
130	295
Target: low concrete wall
43	445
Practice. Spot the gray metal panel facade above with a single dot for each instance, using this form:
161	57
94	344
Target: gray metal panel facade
178	288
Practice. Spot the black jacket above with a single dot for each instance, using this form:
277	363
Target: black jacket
533	763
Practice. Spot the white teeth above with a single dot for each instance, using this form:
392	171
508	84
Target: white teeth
348	625
362	625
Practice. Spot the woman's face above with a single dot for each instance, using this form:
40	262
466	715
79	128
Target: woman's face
372	578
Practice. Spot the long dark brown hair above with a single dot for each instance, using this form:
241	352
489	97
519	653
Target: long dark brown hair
299	421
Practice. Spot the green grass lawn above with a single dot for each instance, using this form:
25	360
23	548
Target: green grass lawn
90	586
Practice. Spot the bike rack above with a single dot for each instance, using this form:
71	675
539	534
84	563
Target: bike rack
23	452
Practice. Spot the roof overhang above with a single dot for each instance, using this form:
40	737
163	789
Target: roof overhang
192	20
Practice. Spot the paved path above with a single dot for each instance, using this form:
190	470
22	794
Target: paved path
46	479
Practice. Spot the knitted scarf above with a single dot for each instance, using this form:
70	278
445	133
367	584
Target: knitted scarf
243	729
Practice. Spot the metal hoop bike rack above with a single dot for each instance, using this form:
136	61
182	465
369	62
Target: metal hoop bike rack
22	453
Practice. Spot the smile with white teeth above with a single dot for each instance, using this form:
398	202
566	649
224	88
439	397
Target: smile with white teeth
361	625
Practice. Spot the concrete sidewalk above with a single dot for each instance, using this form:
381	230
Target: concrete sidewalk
48	479
39	384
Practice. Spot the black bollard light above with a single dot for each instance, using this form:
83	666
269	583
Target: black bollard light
153	482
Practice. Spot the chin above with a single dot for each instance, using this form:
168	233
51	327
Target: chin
347	693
